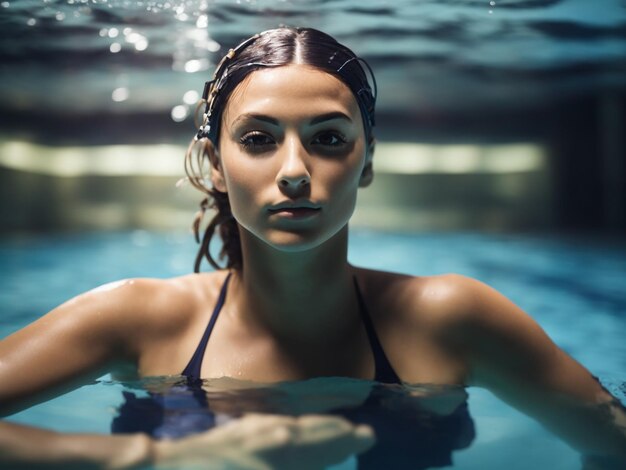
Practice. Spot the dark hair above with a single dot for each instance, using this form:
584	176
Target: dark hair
273	48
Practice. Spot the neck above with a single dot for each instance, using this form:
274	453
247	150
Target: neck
296	295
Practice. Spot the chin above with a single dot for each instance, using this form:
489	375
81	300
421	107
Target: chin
289	242
292	241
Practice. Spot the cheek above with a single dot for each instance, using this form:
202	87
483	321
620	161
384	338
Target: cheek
246	182
341	183
342	177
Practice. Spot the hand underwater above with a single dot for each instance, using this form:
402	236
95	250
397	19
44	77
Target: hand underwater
257	442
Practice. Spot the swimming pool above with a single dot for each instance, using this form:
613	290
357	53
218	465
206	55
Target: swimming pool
573	287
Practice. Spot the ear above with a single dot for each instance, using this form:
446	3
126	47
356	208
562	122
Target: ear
217	172
367	175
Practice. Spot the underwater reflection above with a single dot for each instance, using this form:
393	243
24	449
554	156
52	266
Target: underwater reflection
416	426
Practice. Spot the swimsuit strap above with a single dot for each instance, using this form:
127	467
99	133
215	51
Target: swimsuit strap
195	363
384	370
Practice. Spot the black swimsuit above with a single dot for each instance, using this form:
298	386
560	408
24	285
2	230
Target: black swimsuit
384	371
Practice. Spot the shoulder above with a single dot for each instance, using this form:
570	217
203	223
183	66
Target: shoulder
130	309
438	301
447	299
462	313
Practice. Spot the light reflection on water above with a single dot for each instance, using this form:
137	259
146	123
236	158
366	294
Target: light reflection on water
425	53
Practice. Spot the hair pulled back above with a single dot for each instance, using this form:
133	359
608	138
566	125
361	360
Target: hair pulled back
272	48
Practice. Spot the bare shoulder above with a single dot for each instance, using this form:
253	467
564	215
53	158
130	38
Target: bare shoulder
454	320
86	336
468	316
121	314
155	305
437	301
419	320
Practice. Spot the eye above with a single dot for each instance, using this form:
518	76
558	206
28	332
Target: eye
256	141
329	139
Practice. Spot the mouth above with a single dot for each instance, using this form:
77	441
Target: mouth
295	210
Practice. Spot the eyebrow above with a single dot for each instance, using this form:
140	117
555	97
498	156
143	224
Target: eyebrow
316	120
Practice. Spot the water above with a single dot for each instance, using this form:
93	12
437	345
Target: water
77	57
572	287
78	70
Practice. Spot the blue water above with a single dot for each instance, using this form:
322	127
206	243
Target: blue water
572	287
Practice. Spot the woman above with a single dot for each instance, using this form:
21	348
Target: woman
285	142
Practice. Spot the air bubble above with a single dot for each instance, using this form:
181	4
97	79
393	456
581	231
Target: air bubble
5	4
195	65
212	46
191	97
115	47
134	37
120	94
113	32
202	22
141	45
179	113
31	22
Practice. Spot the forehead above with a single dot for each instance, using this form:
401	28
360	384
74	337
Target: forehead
291	92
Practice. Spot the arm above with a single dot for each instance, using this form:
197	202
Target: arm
72	345
29	447
512	356
253	442
78	341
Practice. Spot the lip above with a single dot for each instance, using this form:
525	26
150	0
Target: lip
295	209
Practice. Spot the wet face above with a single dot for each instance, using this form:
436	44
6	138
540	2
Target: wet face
292	154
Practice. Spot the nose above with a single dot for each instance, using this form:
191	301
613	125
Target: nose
293	176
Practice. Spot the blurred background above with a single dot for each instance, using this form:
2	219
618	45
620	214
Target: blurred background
496	116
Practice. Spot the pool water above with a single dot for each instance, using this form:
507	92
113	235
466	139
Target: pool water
573	287
436	57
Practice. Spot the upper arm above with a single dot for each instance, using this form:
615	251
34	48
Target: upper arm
510	354
73	344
